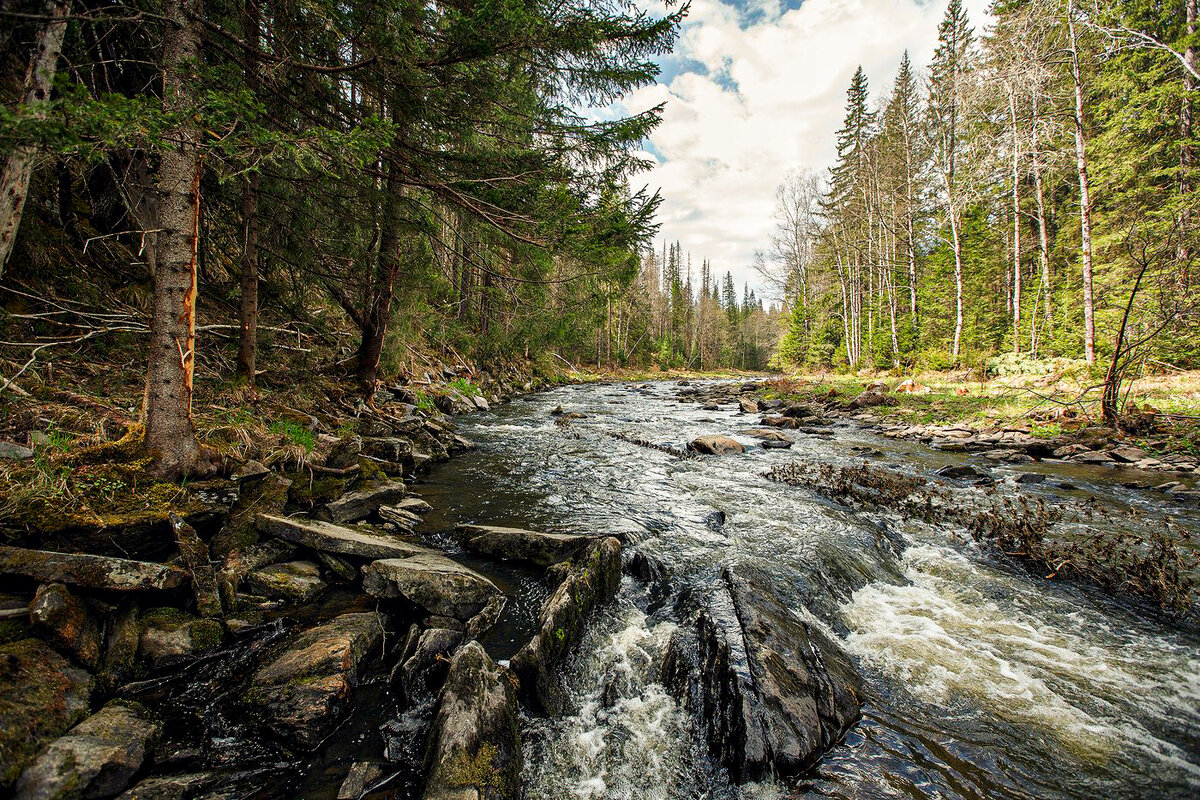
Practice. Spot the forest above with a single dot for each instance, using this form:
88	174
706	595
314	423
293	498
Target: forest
1032	192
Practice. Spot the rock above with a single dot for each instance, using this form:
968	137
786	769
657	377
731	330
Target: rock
593	580
345	453
14	452
431	581
397	516
516	544
960	472
250	470
767	434
1093	457
419	677
557	411
1070	450
413	505
90	571
475	746
357	505
204	577
295	580
715	445
169	636
910	386
1029	478
455	403
359	779
121	644
749	405
41	696
481	403
340	567
774	445
242	562
711	406
73	627
306	690
870	399
266	496
336	539
1128	455
879	387
774	692
779	422
96	758
392	449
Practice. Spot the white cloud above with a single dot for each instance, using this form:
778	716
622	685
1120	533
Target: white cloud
770	102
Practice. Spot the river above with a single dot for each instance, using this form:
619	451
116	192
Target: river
982	679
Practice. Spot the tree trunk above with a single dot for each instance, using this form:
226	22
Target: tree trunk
379	310
18	167
169	432
248	342
958	280
1187	155
1016	198
1085	196
1043	255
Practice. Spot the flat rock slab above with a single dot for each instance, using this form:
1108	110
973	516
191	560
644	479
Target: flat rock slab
432	581
306	690
41	696
90	571
95	759
295	580
338	539
517	544
357	505
767	435
475	751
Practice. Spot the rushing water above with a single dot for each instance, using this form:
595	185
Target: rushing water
982	680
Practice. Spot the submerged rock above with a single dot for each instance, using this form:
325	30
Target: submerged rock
336	538
41	696
306	690
475	750
516	544
715	445
432	581
593	580
96	758
90	571
774	692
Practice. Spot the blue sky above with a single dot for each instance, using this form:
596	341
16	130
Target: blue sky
755	89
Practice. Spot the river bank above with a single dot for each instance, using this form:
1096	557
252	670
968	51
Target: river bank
322	658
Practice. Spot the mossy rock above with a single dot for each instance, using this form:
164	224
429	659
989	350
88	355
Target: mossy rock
169	635
266	495
309	492
41	696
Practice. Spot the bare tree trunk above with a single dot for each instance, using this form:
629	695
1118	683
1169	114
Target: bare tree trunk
248	340
1085	196
18	167
1043	256
958	280
169	431
1187	156
1016	197
379	311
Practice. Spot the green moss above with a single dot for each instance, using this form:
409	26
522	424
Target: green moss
12	630
479	771
206	634
370	473
308	492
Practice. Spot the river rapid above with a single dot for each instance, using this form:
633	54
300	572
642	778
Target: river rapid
982	679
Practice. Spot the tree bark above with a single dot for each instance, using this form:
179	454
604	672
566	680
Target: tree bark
18	167
248	339
1085	196
1016	198
1187	155
1043	255
379	311
169	431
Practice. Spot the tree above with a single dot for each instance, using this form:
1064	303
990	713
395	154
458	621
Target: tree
1085	194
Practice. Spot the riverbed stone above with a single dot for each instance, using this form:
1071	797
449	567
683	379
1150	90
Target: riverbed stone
475	746
365	502
1128	454
266	494
432	581
71	625
294	580
90	571
715	445
169	636
306	690
421	674
42	694
774	692
96	758
1093	457
517	544
195	555
767	435
593	580
337	539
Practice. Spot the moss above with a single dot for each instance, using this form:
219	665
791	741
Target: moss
479	771
12	630
309	492
370	473
206	634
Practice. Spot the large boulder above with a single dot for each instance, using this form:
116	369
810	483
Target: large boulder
41	696
775	693
90	571
434	582
475	745
715	445
95	759
593	579
305	691
338	539
869	399
516	544
365	502
169	636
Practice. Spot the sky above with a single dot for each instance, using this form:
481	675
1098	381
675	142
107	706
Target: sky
755	89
